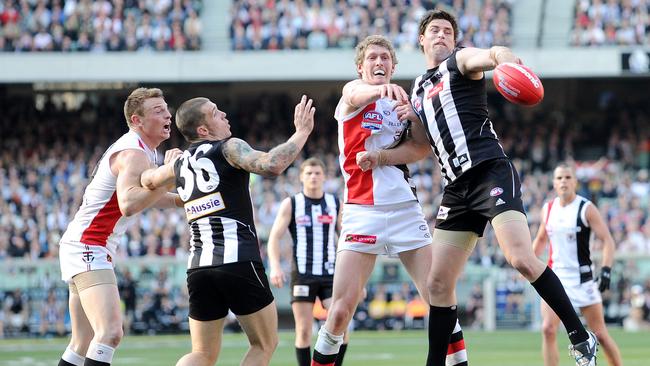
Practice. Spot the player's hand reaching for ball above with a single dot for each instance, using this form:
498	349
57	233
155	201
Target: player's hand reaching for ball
303	117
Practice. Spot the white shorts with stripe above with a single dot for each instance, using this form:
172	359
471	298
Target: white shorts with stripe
580	294
384	229
77	258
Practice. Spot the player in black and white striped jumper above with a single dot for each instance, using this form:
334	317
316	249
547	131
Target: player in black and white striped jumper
448	107
313	220
225	270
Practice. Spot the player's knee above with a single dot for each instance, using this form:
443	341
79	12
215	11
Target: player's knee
303	335
549	330
341	313
523	265
601	334
437	286
111	336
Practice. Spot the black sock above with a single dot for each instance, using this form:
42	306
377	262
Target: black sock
322	359
63	362
550	288
441	324
91	362
339	359
303	356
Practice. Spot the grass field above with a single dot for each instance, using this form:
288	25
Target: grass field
502	348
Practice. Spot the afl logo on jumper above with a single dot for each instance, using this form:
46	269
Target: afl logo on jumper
417	104
372	120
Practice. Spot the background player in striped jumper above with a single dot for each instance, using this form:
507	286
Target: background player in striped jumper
313	220
88	246
450	101
381	213
225	270
568	221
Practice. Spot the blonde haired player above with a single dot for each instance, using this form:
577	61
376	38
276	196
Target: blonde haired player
567	223
87	248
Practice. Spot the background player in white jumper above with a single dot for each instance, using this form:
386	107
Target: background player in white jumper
225	270
87	247
567	223
381	213
313	220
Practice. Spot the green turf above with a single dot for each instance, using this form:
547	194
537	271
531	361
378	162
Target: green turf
503	348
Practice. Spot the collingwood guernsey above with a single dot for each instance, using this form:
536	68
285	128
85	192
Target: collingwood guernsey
313	230
454	112
217	205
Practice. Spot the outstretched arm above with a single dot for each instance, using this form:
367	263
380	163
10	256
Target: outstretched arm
280	226
269	164
472	62
358	93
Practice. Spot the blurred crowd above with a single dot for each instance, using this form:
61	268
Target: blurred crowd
99	26
323	24
44	169
611	22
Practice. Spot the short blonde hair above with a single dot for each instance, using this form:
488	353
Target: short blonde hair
135	101
376	40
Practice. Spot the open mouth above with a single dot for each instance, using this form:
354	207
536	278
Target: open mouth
167	128
379	72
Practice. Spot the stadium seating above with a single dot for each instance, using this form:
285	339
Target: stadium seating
99	26
610	23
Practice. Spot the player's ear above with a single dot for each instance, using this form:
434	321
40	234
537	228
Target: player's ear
201	130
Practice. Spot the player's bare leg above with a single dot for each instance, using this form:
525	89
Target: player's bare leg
595	319
418	265
206	343
261	328
303	317
82	332
550	324
353	269
102	306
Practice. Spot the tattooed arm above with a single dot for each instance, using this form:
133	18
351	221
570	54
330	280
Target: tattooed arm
269	164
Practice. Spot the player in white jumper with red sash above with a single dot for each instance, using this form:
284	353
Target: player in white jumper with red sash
88	246
567	223
381	214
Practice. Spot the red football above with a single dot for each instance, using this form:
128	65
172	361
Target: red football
518	84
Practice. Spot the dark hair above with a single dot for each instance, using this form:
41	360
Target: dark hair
189	116
437	14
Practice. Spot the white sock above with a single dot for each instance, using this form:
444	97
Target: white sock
328	343
100	352
72	357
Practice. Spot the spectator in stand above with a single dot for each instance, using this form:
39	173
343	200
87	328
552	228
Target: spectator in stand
98	26
342	24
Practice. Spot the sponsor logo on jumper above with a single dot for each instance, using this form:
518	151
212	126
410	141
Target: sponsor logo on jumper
435	90
325	219
204	206
372	120
304	220
496	191
500	202
363	239
443	212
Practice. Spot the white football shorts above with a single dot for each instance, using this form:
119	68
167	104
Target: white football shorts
580	294
76	258
384	229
